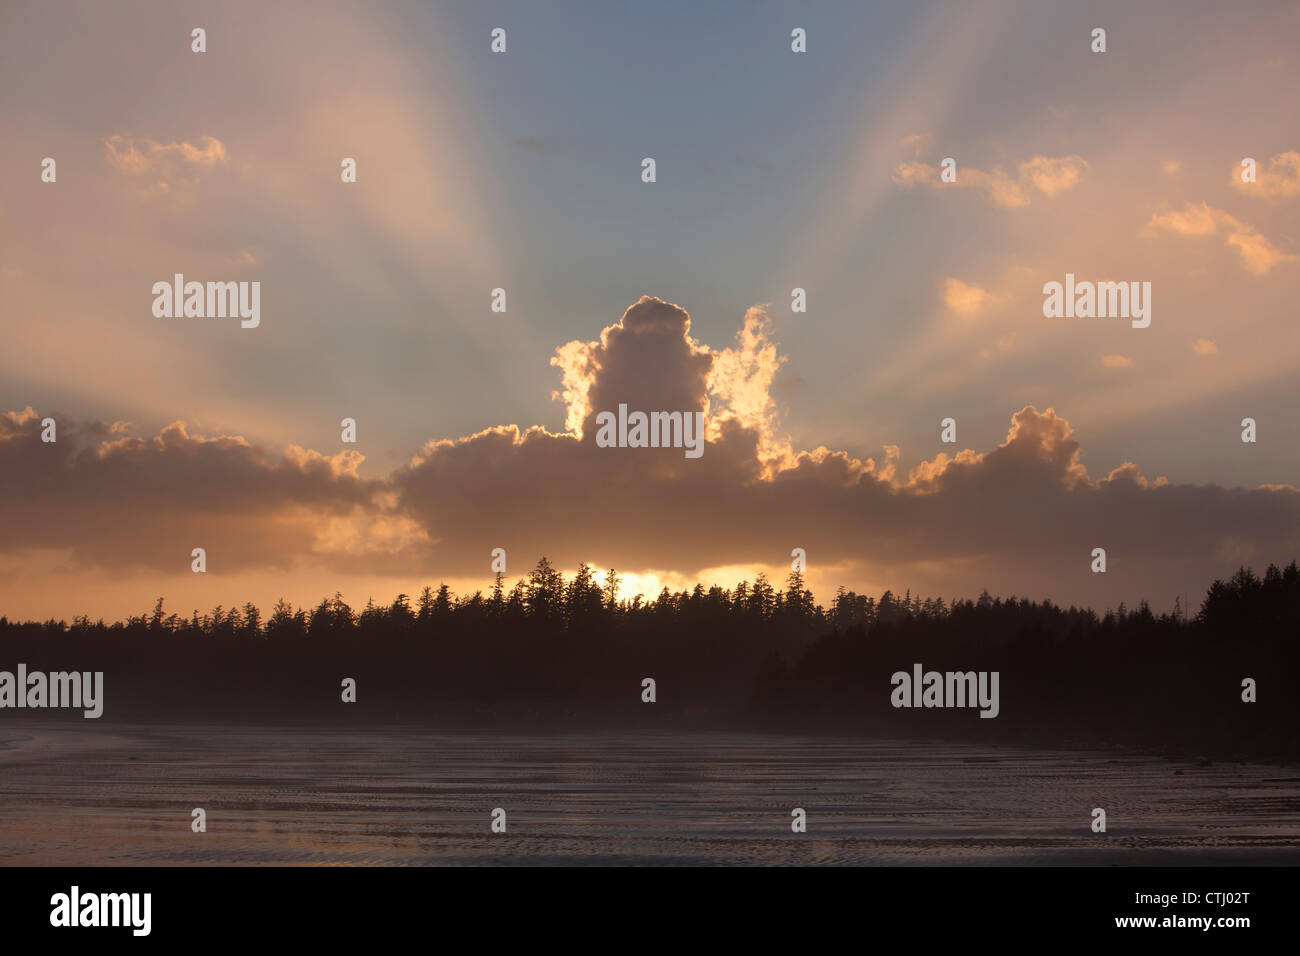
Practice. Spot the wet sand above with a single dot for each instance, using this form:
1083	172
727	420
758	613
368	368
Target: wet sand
273	796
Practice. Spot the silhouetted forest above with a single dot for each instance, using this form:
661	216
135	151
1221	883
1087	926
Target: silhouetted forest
573	653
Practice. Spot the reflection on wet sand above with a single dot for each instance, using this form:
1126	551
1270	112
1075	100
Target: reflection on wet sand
401	797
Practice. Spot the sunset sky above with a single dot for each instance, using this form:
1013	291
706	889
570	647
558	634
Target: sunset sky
522	170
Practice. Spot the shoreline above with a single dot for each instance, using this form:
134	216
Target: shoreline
35	728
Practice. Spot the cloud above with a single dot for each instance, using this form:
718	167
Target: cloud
165	165
912	174
1198	221
245	257
917	142
1116	361
1201	220
1171	167
122	153
1052	175
1021	517
1279	180
1258	255
965	300
968	520
1049	175
740	384
1205	347
127	502
647	359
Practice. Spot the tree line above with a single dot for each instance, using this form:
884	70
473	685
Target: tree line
575	652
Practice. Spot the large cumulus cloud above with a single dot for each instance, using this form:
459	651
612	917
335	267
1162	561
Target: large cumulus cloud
1022	517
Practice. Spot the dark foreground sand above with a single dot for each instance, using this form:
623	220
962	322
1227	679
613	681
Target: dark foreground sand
124	795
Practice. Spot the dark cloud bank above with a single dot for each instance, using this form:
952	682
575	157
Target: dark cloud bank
1020	518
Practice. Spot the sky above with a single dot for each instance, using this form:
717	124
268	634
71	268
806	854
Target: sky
522	170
